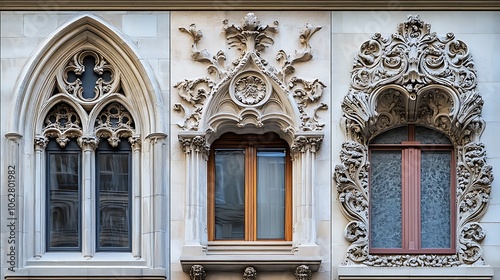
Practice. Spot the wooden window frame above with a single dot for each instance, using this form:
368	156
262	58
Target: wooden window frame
411	213
250	142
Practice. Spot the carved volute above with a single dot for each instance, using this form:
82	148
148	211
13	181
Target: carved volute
415	77
250	93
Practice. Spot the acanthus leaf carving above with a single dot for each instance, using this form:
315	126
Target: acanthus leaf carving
414	77
251	80
194	144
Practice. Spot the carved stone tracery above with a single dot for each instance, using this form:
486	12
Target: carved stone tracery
114	122
62	122
414	77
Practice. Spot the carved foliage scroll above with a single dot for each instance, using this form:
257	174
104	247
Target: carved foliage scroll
250	79
414	77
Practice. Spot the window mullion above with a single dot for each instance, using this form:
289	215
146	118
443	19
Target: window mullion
406	223
250	186
411	199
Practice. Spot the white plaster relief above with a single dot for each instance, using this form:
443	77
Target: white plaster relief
414	77
250	96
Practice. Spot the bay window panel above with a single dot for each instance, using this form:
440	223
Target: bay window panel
386	199
435	204
230	194
63	183
271	194
113	199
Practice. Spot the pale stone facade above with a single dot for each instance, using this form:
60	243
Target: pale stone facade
177	72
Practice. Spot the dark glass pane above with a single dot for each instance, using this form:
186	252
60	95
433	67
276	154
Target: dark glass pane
271	193
89	77
113	200
64	200
435	199
430	136
229	194
393	136
385	199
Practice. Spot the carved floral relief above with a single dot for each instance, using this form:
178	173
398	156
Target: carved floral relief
414	76
251	81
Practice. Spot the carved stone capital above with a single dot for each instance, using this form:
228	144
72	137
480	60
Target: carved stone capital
135	142
303	272
41	142
250	273
88	143
194	144
197	272
303	143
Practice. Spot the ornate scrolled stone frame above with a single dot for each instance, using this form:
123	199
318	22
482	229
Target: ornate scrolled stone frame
250	96
414	76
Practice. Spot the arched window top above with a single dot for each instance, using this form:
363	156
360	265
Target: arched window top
413	78
420	134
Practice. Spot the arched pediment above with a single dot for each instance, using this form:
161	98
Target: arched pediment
45	77
252	96
414	77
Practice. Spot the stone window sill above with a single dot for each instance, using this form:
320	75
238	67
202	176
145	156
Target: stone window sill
416	273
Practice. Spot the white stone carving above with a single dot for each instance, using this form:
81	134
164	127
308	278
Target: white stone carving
113	123
303	272
250	273
414	77
257	91
62	123
107	81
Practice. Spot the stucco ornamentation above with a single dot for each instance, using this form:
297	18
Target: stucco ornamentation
250	273
197	272
414	77
244	92
303	272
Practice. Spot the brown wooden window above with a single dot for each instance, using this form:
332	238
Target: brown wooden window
412	192
249	193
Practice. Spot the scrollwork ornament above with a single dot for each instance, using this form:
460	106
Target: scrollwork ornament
414	77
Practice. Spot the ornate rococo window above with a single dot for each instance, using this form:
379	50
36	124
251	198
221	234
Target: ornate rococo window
414	77
249	96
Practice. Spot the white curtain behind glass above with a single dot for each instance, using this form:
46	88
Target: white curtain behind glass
270	194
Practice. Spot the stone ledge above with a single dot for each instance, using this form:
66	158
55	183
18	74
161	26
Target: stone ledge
259	262
415	273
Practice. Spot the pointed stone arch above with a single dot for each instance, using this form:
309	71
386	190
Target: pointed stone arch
414	77
125	78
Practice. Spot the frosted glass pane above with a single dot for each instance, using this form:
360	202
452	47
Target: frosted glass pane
430	136
435	199
271	194
64	201
114	200
229	194
385	199
393	136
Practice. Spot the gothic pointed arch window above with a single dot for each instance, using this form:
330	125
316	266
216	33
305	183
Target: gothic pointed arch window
413	179
88	105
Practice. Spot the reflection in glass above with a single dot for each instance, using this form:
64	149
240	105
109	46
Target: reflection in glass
270	193
229	194
113	200
63	200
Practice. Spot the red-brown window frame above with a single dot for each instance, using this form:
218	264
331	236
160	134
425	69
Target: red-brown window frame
250	142
411	212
